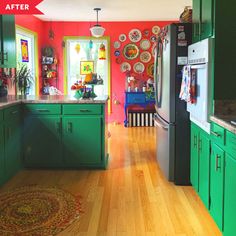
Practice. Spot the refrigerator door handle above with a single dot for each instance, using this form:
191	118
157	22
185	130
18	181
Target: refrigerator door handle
157	122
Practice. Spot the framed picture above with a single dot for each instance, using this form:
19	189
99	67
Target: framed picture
24	50
86	67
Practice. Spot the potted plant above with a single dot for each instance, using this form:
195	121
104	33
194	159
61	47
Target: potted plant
3	87
23	79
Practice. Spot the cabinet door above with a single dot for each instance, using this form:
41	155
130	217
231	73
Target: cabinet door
8	41
207	19
229	197
217	184
42	141
204	168
82	138
196	18
194	164
12	146
2	163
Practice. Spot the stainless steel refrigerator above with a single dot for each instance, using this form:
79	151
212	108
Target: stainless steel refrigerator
171	118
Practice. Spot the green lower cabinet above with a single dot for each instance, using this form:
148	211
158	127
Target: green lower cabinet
42	141
217	185
194	162
204	168
2	161
230	194
82	139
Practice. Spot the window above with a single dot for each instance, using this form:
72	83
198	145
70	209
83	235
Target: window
28	54
81	49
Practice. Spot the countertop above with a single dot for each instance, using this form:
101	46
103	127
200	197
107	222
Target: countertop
224	121
12	100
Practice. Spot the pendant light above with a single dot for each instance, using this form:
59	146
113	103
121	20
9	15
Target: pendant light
97	30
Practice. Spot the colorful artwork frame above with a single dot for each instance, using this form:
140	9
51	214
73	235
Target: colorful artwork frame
24	50
86	67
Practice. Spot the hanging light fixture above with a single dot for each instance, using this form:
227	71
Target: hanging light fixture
97	30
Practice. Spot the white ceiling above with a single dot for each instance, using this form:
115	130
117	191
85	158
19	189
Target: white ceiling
112	10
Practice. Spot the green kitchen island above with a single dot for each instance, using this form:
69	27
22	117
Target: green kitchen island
52	132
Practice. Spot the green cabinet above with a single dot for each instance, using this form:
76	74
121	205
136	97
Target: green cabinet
200	162
229	196
2	159
217	184
82	138
8	41
42	141
202	19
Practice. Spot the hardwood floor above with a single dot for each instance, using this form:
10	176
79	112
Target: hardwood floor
131	197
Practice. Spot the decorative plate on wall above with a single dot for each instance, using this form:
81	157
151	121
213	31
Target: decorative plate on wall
135	35
117	44
156	29
125	66
145	57
153	38
117	53
122	37
139	67
118	60
131	51
150	70
145	33
145	44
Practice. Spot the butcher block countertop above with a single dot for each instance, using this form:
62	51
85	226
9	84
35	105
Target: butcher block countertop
13	100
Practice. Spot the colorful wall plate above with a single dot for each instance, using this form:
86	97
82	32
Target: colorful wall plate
117	53
122	37
145	44
153	38
150	70
139	67
145	33
125	66
118	60
131	51
156	29
145	57
135	35
117	44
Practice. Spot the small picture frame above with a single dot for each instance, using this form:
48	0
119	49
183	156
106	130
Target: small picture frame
47	60
86	67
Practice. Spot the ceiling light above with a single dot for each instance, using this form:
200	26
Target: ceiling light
97	30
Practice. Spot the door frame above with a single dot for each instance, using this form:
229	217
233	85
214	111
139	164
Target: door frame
36	61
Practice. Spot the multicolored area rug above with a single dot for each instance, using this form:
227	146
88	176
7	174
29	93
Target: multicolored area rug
34	210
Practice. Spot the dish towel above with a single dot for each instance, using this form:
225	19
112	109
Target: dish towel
188	85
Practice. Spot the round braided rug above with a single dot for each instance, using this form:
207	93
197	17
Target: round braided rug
34	210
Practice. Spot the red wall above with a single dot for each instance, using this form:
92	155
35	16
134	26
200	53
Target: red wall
113	29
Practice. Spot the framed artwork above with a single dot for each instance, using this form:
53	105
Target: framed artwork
86	67
24	50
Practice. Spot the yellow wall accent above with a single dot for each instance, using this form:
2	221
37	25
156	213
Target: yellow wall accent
65	38
36	55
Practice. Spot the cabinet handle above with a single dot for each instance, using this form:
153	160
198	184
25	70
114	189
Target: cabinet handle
69	127
14	112
215	134
58	127
42	110
200	145
5	54
195	141
84	110
217	162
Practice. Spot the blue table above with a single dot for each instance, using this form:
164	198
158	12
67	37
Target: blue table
142	99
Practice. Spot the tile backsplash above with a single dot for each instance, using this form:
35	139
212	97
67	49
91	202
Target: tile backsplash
225	107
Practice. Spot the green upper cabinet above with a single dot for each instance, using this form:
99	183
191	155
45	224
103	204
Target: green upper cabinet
202	19
229	197
42	141
82	138
8	41
217	184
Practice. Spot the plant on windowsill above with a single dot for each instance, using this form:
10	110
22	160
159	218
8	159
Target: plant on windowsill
23	79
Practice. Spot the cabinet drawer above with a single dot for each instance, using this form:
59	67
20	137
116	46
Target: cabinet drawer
82	109
12	112
135	98
218	134
43	109
231	143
